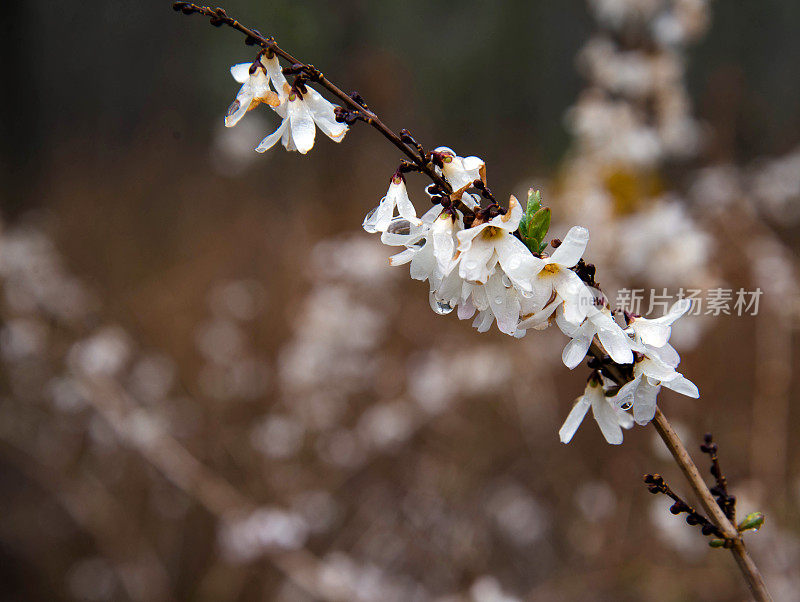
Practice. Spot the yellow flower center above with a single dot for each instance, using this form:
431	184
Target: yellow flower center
490	232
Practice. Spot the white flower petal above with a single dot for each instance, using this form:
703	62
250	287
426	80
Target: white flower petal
575	351
378	219
517	262
424	263
574	419
402	257
275	74
572	247
241	72
239	107
474	264
655	369
540	320
606	417
302	125
483	321
644	405
683	385
466	309
270	141
614	340
323	114
504	304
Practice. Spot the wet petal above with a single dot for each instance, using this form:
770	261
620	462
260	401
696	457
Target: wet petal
574	419
302	125
270	141
572	247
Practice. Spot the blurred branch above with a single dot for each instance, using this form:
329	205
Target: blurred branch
187	473
96	511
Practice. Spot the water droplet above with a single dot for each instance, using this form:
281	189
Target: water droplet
368	225
235	105
471	264
440	307
400	226
499	299
626	406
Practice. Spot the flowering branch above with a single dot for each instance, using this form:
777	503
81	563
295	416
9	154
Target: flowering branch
491	264
357	108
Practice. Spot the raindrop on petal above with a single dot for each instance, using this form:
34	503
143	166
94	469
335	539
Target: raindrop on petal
235	105
440	307
400	226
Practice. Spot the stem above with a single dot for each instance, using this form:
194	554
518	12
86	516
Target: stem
684	461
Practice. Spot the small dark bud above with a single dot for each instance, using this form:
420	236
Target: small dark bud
178	6
676	508
555	243
216	21
187	9
692	520
707	529
708	438
250	41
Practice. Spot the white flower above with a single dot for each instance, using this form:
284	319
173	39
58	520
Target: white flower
378	219
430	247
656	332
302	113
555	276
655	364
650	373
608	416
255	90
600	322
461	172
483	246
497	300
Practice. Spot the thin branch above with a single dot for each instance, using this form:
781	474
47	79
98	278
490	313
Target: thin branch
411	148
684	461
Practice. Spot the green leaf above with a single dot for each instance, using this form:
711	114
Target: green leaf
535	223
534	201
717	543
753	521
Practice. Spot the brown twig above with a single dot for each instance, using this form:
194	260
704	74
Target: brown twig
684	461
354	102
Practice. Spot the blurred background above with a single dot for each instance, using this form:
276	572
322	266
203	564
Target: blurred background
212	386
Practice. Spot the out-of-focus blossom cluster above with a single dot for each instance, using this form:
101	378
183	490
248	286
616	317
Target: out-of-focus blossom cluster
633	118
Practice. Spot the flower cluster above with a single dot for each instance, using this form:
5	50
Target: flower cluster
301	108
491	273
488	263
